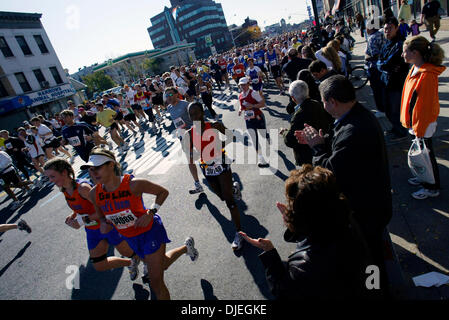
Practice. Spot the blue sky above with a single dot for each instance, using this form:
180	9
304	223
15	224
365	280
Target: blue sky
87	31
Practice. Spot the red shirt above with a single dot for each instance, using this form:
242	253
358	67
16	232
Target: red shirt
238	71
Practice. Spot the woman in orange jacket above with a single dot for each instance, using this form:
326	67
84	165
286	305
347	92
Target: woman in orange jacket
420	103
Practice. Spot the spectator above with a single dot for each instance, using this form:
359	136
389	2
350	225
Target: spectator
405	12
314	93
295	64
374	46
330	256
306	111
308	53
320	72
430	16
420	103
404	28
414	26
330	57
393	71
355	152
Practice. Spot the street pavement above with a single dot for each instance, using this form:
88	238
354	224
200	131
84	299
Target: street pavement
37	265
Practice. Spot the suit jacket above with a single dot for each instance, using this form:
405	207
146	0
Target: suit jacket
355	152
312	113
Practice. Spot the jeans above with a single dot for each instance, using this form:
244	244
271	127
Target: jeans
392	103
376	87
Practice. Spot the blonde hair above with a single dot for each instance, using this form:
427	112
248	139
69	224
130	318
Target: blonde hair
334	44
109	154
431	52
331	54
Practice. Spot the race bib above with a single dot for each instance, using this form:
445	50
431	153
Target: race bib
249	114
125	111
259	60
255	81
214	170
273	62
87	221
179	123
203	89
8	145
74	141
122	220
143	103
238	71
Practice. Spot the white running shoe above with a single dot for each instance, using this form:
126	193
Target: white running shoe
111	147
15	205
238	242
414	181
134	268
236	191
191	251
198	189
425	193
261	161
72	159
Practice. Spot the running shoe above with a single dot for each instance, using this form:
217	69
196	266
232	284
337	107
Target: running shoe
198	189
238	242
72	160
110	146
414	181
15	205
191	251
22	225
134	268
261	163
425	193
236	191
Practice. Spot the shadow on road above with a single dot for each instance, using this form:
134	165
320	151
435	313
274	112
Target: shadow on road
18	255
208	290
140	293
95	285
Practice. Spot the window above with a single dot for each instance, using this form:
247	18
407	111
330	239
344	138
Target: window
40	43
5	48
3	92
23	81
39	76
56	75
23	45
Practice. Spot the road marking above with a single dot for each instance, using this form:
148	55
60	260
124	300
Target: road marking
51	199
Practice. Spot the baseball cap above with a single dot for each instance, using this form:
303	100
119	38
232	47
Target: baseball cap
243	80
80	109
96	160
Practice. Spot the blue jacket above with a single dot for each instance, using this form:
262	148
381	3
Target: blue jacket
392	66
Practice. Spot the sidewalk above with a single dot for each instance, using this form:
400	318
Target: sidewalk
419	230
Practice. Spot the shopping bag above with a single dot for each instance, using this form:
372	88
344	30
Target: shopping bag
419	161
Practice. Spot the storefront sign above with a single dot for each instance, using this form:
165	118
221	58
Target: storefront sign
51	94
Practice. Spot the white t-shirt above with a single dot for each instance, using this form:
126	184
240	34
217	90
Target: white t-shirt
55	124
130	96
42	130
5	161
35	149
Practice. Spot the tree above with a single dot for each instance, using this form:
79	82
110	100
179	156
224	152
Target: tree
155	65
98	81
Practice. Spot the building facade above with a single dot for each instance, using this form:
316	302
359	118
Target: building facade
32	80
130	67
196	21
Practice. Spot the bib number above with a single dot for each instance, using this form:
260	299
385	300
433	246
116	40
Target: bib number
238	71
249	114
143	103
8	145
214	170
125	111
259	60
273	62
179	123
122	220
255	81
74	141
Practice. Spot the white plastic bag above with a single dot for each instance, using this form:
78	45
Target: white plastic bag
419	161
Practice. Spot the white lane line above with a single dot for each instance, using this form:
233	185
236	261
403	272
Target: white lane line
51	199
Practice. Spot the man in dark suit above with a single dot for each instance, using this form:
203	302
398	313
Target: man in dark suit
355	151
306	111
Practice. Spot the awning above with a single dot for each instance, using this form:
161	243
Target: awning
15	103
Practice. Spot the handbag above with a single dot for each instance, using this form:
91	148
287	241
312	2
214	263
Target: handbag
419	161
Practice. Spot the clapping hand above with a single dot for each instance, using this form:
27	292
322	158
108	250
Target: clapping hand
310	136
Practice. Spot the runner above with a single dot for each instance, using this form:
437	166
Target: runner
14	147
106	119
255	75
142	99
215	168
78	135
10	178
205	90
90	118
76	193
238	71
273	59
224	70
129	118
251	103
178	110
142	228
49	140
259	60
33	145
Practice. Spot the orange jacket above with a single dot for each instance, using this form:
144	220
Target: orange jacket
420	104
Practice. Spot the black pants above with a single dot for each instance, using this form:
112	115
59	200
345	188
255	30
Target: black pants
150	114
21	162
376	87
207	100
392	103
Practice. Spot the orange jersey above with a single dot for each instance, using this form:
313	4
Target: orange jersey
82	207
122	208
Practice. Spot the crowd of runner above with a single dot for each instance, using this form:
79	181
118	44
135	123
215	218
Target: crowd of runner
110	204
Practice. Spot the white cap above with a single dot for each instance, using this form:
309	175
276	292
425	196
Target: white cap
96	160
243	80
